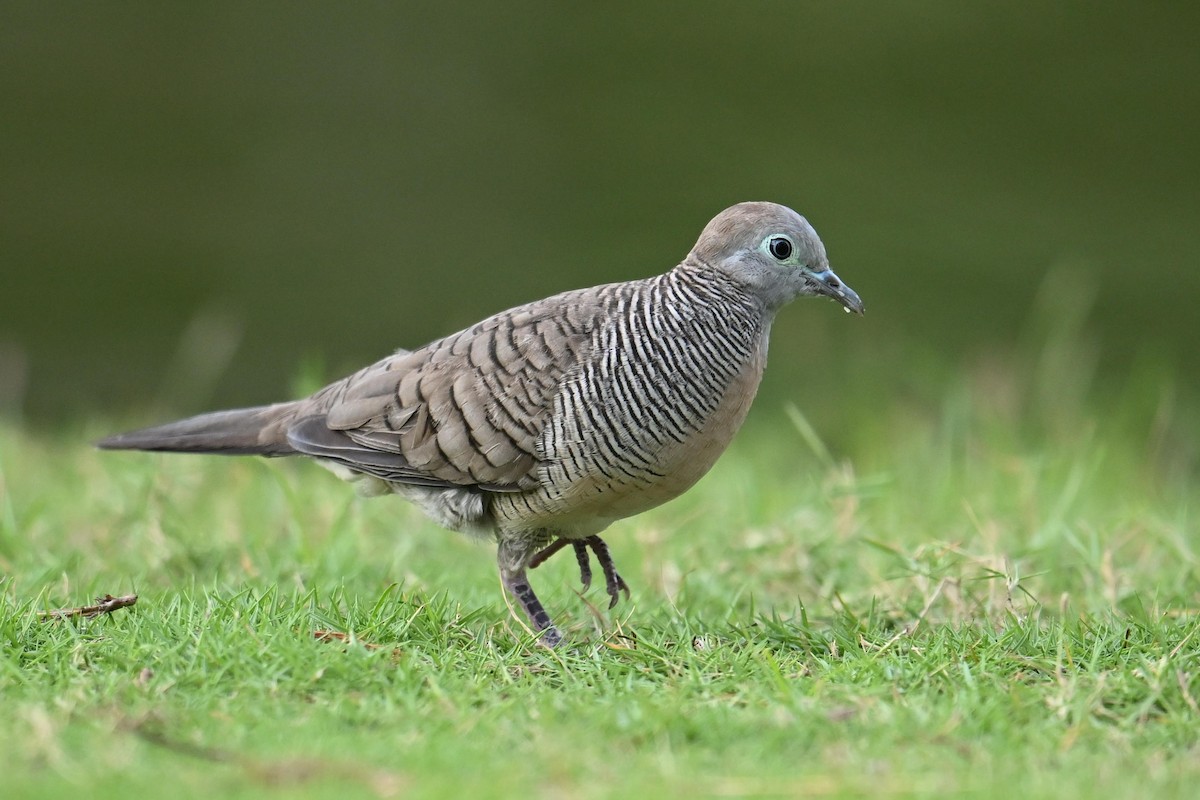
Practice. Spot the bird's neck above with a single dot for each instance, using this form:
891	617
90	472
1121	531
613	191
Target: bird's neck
709	288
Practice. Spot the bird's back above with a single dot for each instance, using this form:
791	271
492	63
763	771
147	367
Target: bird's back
568	413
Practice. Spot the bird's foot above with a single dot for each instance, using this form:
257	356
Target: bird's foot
614	584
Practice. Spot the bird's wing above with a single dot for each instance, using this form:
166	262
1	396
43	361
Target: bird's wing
467	410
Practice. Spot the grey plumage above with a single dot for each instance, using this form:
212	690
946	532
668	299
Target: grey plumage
545	423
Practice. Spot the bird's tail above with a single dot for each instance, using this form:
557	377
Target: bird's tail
244	431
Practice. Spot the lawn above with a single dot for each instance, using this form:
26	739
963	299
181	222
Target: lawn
987	586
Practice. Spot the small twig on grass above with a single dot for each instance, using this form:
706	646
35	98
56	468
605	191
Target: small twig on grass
338	636
345	638
104	605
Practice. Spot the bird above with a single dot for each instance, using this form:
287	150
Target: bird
540	426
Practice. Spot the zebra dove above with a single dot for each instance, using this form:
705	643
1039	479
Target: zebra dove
542	425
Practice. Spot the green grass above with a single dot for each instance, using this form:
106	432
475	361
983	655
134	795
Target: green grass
983	587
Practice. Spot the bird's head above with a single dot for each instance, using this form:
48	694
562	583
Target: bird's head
774	252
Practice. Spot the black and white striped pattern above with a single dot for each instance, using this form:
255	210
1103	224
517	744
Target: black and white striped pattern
659	370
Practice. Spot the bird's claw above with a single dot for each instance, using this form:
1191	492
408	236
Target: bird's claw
614	584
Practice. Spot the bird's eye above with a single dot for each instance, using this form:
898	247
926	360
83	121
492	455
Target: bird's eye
780	248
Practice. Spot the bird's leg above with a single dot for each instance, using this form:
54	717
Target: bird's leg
512	557
518	585
581	558
540	556
614	584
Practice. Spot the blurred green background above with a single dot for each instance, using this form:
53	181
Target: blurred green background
197	200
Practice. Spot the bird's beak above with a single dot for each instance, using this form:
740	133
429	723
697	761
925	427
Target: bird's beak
830	285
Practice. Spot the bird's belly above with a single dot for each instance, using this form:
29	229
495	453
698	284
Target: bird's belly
598	495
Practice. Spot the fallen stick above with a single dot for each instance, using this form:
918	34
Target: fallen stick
345	638
338	636
104	605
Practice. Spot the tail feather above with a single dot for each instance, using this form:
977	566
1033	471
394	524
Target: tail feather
245	431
